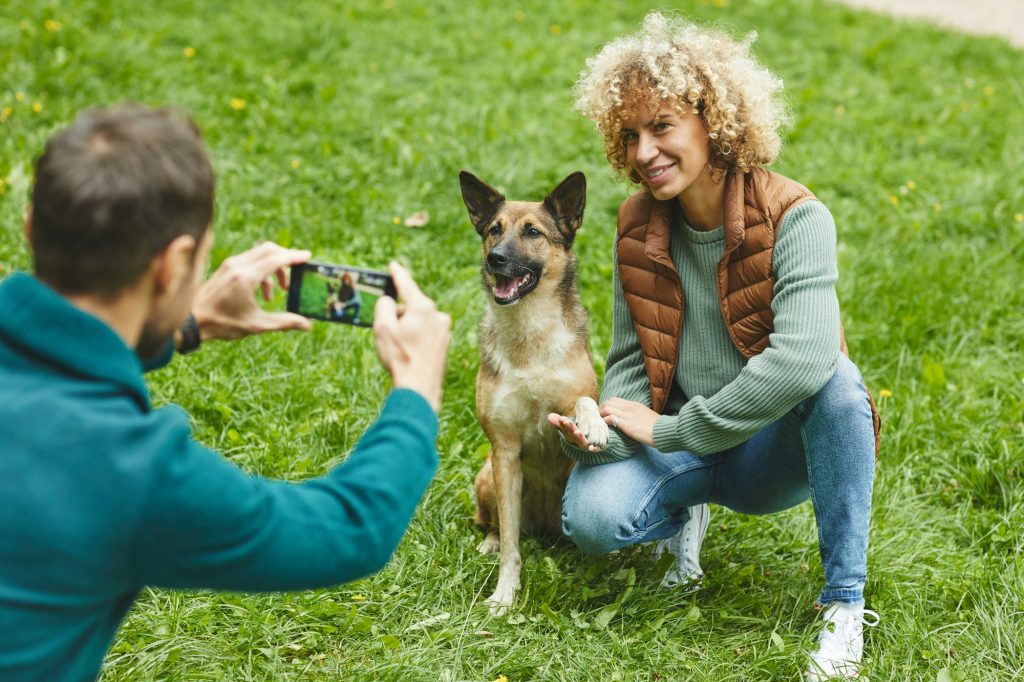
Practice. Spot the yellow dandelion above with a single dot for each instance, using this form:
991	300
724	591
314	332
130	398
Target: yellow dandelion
189	52
20	96
989	90
396	220
911	185
53	26
555	29
936	208
1019	217
37	107
893	199
720	3
965	105
885	393
501	678
4	113
840	110
238	104
519	15
358	597
295	163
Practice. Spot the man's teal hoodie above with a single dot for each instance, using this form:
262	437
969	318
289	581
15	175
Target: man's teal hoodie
100	494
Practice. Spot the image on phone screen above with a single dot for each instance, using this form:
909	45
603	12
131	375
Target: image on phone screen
337	293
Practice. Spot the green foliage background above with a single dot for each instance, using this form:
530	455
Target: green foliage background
330	122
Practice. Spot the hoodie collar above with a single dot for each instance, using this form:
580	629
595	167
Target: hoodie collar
44	324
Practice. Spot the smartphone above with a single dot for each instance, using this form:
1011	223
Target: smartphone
337	293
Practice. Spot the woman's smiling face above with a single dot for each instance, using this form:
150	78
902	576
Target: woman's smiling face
668	150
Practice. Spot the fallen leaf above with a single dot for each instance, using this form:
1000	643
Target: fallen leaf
417	219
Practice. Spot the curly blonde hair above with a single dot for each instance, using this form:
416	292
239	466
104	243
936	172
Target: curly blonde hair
691	68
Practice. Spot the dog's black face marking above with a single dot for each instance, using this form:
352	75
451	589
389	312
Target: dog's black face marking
515	273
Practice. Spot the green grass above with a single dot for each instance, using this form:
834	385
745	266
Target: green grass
357	114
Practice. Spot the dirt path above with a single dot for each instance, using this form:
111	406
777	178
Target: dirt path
1004	18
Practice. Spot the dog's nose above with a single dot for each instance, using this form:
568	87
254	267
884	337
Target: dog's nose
496	260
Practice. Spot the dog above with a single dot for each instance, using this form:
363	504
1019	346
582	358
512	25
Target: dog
534	360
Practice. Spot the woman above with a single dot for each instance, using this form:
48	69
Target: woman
727	379
349	302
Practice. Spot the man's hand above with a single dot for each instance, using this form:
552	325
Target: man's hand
412	339
225	307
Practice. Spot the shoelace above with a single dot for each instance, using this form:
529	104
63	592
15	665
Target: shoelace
836	641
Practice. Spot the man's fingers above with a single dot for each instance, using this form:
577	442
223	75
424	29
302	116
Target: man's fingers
274	322
268	289
276	258
407	288
385	311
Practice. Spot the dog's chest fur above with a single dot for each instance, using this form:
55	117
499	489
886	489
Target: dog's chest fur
528	369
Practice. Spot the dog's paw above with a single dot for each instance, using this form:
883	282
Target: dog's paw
591	423
500	603
489	545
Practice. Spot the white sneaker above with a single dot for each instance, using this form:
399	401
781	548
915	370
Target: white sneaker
841	642
685	547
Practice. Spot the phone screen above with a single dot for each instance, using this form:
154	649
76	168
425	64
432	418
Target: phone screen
337	293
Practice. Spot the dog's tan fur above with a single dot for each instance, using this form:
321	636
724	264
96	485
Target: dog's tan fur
535	359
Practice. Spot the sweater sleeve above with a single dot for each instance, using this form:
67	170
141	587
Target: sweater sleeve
625	377
207	524
802	354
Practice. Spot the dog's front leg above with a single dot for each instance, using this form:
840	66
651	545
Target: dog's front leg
508	488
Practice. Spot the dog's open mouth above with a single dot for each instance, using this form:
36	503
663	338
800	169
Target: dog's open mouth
509	289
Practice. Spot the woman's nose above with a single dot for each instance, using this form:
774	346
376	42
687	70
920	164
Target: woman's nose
646	149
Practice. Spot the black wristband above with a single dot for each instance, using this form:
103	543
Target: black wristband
189	335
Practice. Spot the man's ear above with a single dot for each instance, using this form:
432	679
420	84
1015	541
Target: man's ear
566	203
172	267
482	200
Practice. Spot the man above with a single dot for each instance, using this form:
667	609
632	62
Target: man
100	494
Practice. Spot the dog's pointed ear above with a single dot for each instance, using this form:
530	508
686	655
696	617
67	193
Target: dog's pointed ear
481	199
566	203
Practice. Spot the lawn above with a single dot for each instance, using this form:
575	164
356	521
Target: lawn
330	123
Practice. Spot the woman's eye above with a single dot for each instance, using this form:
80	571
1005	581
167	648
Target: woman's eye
495	230
662	127
532	231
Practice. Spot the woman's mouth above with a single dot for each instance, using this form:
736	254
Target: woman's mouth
659	174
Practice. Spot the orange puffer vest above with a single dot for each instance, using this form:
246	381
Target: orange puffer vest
755	204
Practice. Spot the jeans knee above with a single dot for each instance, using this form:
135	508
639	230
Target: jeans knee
844	393
595	528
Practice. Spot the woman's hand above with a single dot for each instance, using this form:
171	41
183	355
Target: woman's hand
572	432
633	419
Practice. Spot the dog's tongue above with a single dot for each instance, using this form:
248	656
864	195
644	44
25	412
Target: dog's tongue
507	287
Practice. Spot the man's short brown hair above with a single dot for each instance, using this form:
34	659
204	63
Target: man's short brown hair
112	191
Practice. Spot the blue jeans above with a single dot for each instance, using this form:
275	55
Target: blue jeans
824	448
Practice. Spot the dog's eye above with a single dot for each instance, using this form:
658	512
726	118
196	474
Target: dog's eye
532	231
495	230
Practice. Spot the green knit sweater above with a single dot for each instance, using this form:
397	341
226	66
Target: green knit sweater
731	398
